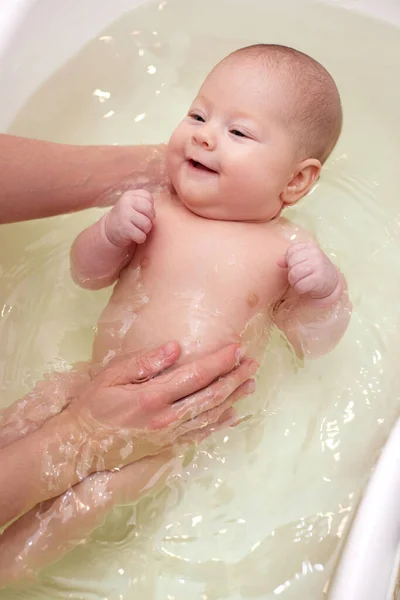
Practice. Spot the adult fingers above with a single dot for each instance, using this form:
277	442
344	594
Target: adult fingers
227	419
192	377
206	406
138	369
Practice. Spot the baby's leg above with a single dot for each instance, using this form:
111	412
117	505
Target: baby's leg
47	398
51	529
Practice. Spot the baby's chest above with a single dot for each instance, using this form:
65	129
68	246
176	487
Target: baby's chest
233	262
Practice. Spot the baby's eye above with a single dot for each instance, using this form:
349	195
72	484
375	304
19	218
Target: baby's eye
238	133
197	118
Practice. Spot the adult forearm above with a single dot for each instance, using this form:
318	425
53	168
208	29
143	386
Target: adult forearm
40	179
48	461
117	421
48	531
49	396
37	467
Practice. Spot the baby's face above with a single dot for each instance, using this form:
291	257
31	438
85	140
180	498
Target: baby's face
232	156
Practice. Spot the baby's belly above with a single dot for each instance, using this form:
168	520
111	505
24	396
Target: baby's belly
143	325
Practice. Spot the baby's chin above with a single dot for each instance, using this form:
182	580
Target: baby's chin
221	211
207	209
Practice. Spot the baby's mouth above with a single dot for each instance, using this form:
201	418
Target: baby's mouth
200	167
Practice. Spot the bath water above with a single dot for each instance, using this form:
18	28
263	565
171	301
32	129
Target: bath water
261	511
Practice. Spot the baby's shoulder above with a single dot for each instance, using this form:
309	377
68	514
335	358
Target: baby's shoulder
287	232
168	206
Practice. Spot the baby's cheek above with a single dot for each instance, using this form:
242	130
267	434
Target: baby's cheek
172	168
177	139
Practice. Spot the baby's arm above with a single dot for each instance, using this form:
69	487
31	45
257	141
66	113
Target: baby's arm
101	251
315	311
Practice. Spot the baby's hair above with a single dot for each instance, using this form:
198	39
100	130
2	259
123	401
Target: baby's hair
315	110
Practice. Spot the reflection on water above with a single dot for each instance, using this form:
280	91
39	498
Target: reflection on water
260	511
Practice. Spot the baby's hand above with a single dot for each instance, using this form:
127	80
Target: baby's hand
131	219
309	270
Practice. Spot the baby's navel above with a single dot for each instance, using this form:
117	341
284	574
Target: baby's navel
252	299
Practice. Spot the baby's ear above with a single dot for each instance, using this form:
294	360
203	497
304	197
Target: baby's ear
302	180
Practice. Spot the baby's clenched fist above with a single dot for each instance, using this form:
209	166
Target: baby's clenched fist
131	219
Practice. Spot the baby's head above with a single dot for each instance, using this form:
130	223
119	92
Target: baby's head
264	121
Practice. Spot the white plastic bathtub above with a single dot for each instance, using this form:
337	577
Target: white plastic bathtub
369	564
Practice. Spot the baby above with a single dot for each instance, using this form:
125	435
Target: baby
213	261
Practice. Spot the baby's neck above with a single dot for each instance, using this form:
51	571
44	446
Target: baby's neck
172	197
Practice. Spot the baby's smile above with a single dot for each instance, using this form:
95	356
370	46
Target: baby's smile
204	166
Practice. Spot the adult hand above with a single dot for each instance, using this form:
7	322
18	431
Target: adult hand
133	409
129	410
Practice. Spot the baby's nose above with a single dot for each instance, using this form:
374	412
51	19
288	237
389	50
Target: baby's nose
204	137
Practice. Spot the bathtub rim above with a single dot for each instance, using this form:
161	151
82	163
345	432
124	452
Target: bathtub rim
356	573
